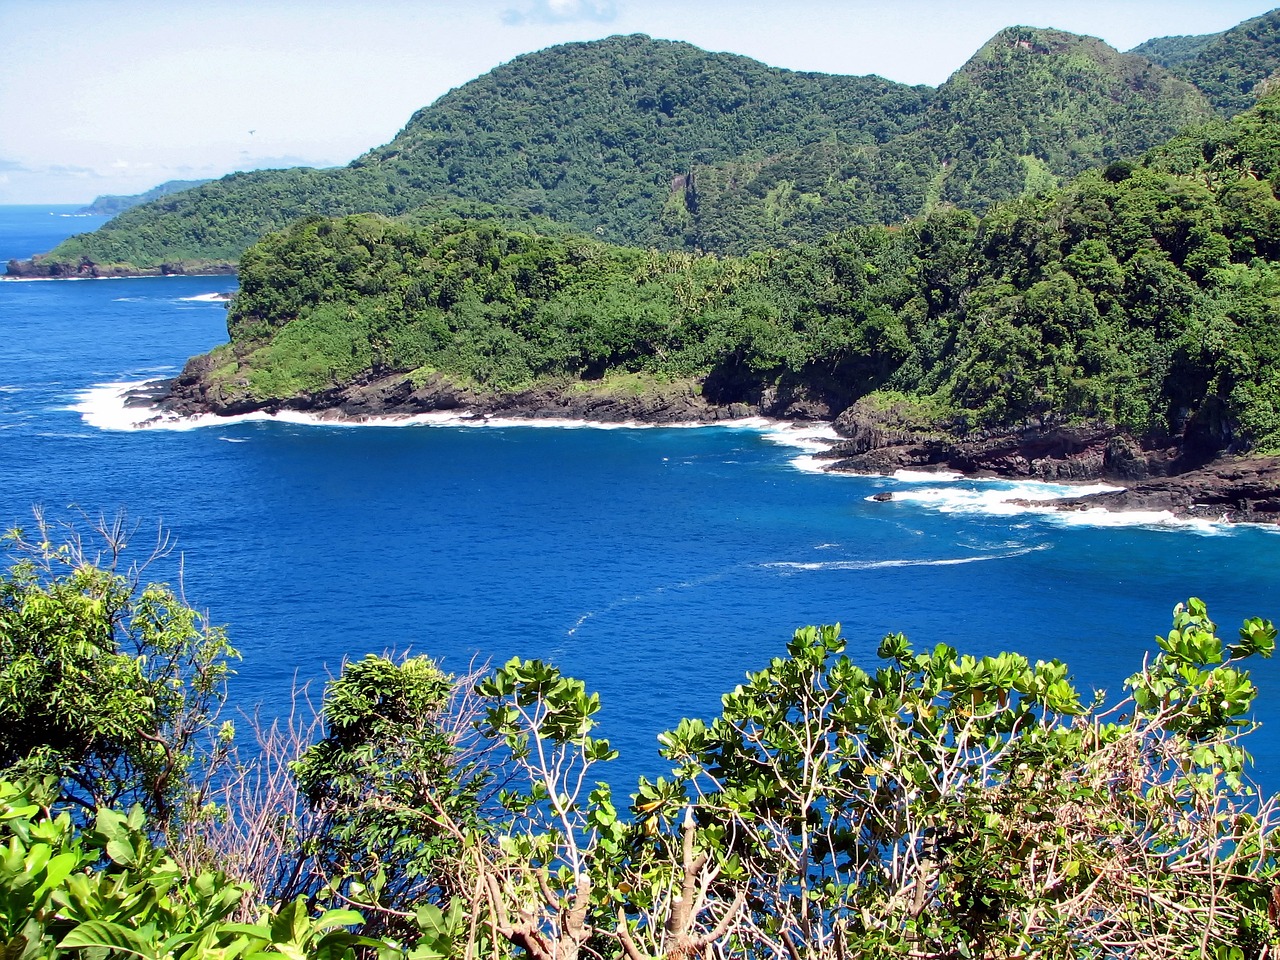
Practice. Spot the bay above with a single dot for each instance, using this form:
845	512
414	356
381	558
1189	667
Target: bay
657	564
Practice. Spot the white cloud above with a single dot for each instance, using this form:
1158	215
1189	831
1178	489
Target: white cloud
562	11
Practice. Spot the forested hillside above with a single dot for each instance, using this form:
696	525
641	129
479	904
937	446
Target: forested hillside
112	204
1225	66
1142	295
652	142
1030	108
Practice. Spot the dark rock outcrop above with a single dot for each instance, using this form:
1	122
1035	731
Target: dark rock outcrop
194	391
1235	489
41	267
1157	476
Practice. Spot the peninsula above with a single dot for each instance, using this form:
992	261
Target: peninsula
1084	292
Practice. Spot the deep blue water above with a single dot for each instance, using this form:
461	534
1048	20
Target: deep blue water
657	564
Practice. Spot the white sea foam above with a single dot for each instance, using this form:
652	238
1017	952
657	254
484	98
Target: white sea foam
809	437
103	406
205	298
8	279
950	492
808	463
994	498
904	562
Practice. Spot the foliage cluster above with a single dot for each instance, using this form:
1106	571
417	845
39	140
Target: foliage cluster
106	684
651	142
941	805
107	890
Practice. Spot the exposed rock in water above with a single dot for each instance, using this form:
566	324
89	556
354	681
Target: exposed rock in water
1235	489
1157	477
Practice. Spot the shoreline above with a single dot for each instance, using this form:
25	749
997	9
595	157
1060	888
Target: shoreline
1229	491
36	269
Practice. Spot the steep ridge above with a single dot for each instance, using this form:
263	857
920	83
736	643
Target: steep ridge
593	134
655	142
1030	108
1227	66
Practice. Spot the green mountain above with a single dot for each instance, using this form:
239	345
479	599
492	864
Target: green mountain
1031	107
110	204
654	142
1225	66
1141	295
1171	52
590	133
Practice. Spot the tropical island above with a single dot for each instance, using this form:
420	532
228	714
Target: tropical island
1079	291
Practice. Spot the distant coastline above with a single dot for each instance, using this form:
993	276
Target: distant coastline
40	267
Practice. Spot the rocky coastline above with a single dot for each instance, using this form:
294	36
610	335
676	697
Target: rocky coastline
195	391
1155	477
40	267
1224	488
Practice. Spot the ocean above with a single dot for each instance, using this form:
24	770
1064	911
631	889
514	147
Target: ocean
657	564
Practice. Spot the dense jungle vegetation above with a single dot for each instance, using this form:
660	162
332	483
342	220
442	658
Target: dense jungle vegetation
111	204
1140	294
941	806
651	142
1227	67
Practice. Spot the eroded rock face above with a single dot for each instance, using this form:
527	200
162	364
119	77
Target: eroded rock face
1234	489
44	268
1055	453
1157	477
194	391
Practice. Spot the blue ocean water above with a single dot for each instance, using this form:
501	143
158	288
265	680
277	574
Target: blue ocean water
659	565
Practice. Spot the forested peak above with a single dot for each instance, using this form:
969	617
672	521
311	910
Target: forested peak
1028	39
602	134
1226	66
1034	104
658	80
1021	49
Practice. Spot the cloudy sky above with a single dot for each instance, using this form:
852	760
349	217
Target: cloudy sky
115	96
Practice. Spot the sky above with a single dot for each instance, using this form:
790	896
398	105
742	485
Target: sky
116	96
